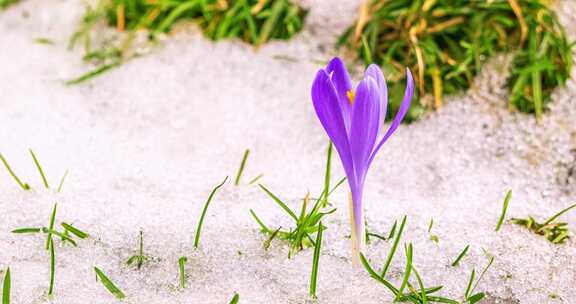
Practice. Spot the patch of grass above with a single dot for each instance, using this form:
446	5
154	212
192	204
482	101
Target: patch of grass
138	258
110	286
315	261
201	221
446	42
252	21
241	169
504	208
6	285
555	232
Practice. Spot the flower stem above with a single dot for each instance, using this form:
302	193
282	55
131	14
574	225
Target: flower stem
358	235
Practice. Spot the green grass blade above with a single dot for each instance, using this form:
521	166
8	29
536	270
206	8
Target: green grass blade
393	249
255	179
469	286
315	262
6	288
75	231
407	271
264	227
421	284
199	228
504	208
39	167
460	256
52	268
327	173
392	231
91	74
27	230
235	299
181	263
62	181
555	216
22	185
51	226
61	235
113	289
279	202
482	274
241	169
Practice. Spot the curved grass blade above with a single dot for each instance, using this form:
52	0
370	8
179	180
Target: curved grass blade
108	284
199	228
504	208
279	202
407	271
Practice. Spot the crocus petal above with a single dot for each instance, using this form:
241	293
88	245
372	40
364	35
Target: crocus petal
328	110
365	118
375	72
408	92
341	80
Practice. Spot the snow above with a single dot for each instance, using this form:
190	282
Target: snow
146	143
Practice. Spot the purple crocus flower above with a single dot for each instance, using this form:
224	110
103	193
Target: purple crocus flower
354	122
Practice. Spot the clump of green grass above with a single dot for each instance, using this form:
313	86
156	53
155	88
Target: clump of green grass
423	294
555	232
252	21
139	258
446	42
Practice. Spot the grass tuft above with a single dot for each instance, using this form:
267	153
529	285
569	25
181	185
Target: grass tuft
556	233
446	42
138	258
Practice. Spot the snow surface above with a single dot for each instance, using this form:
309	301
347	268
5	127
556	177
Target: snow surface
145	144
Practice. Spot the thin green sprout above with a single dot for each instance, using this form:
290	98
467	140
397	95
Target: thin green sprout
22	185
392	231
421	284
181	266
62	181
241	169
52	268
255	179
6	288
138	258
199	228
504	208
327	174
37	163
51	226
315	262
113	289
408	250
77	232
393	249
460	256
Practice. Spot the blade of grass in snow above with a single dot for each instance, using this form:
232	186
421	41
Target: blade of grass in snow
22	185
181	263
252	181
270	238
315	261
469	286
408	269
327	174
504	208
108	284
460	256
392	231
62	181
421	284
6	288
554	232
199	228
394	247
27	230
235	299
51	226
61	235
138	258
482	274
241	169
52	268
91	74
75	231
279	202
39	167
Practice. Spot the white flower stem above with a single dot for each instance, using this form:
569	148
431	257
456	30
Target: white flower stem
358	234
